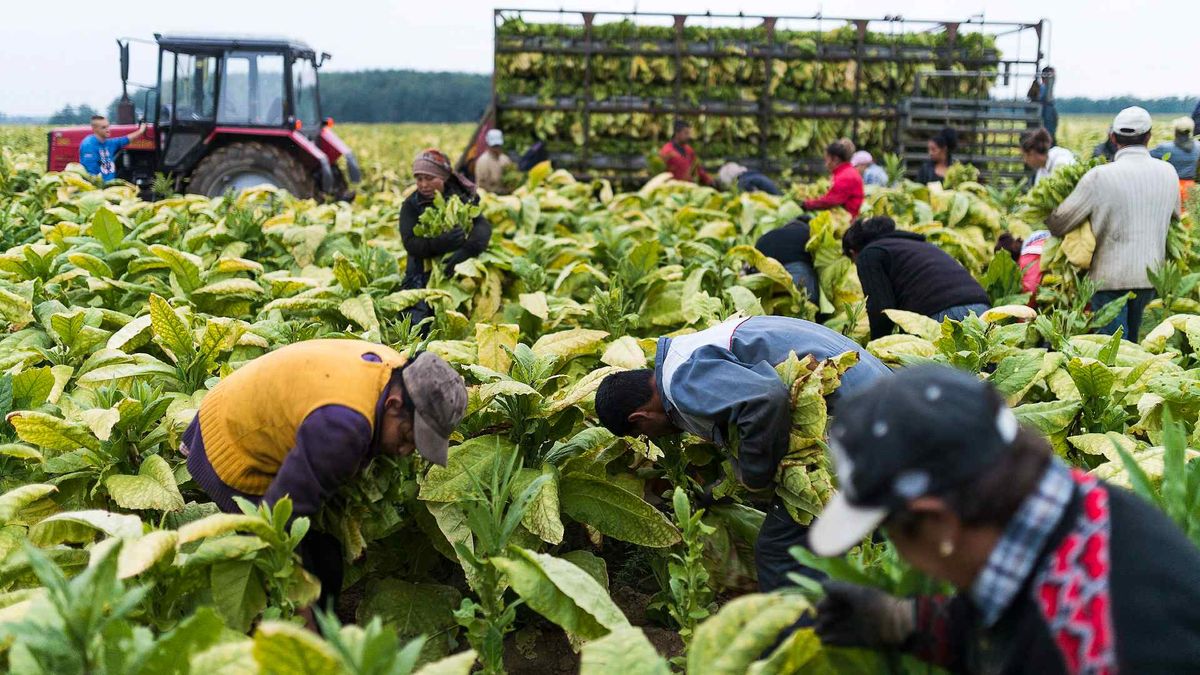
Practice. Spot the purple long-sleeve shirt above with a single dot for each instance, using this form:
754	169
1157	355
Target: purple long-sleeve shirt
331	445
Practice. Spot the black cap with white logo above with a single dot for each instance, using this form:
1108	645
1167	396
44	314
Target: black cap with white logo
920	432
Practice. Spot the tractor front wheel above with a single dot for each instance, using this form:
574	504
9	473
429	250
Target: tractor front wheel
244	165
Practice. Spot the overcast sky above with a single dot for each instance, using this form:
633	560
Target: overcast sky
64	51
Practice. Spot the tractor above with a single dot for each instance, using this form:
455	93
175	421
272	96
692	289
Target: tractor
228	113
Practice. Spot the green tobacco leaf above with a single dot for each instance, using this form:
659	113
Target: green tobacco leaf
1016	373
542	517
494	342
727	643
107	229
26	497
51	433
141	554
579	392
452	482
625	651
412	609
1051	417
568	343
152	488
79	527
915	324
229	658
1092	378
282	648
185	266
615	512
31	388
561	592
173	650
360	310
170	330
132	335
237	593
458	664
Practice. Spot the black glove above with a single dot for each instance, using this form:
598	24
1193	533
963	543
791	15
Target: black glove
453	259
450	240
858	616
708	500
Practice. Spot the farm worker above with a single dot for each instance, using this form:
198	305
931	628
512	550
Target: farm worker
489	167
789	245
1130	203
97	152
1196	115
900	270
723	380
1042	155
872	173
1043	92
302	420
681	159
1106	148
1183	153
733	174
1055	571
847	188
435	175
1027	254
941	155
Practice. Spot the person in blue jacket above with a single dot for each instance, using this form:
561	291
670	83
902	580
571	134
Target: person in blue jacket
97	152
723	379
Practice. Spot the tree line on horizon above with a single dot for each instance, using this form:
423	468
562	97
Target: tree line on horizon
388	96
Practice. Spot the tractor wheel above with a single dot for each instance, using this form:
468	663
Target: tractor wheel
243	165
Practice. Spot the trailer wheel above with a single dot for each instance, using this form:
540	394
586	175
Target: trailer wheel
244	165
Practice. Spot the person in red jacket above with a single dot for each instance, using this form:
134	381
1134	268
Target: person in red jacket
1027	254
847	189
681	159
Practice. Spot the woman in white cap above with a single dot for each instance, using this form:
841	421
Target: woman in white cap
872	173
1183	153
489	167
1056	571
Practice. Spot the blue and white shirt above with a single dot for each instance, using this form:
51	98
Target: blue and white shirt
725	376
97	156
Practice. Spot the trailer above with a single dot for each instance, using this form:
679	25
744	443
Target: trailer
601	89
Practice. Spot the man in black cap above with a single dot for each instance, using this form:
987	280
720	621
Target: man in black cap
680	158
1057	572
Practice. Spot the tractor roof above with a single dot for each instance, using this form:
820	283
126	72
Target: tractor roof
188	43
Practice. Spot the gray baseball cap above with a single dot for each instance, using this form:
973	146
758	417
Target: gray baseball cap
439	399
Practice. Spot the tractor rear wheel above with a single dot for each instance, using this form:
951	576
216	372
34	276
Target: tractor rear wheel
243	165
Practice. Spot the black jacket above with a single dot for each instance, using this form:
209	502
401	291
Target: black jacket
787	244
900	270
753	181
455	242
1142	613
927	173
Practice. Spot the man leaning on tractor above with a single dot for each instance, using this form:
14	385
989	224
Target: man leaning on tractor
722	382
301	421
97	152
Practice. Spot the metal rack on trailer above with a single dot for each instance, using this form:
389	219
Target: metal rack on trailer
987	126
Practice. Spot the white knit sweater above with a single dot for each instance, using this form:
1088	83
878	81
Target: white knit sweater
1130	203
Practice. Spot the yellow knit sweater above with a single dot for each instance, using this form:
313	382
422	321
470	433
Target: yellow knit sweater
249	420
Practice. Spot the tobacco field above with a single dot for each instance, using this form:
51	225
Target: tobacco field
546	544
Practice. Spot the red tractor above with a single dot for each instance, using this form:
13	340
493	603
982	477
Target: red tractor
228	113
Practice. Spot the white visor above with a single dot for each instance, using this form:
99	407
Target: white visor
842	526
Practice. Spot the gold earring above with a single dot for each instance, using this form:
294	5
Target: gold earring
946	549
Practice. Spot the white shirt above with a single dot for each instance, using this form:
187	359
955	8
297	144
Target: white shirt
1055	158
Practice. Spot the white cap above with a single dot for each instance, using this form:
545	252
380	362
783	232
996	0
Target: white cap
494	138
1184	125
861	158
1133	121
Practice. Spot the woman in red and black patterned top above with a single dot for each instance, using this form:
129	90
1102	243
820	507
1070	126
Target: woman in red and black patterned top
1056	571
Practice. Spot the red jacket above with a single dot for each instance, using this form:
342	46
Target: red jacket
685	165
846	192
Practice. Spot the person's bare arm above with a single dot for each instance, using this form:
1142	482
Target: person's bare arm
141	130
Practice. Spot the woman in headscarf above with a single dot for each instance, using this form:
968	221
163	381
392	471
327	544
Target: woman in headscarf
434	175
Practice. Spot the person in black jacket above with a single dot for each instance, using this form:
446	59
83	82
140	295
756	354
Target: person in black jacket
941	155
788	245
434	174
900	270
1055	570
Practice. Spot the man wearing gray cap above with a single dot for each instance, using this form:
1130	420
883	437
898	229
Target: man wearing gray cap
1130	204
301	421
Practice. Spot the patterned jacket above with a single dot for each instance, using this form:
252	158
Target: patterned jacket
1115	589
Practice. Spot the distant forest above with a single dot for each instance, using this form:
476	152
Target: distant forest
412	96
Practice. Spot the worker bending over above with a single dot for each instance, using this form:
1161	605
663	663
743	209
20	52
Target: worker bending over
720	381
302	420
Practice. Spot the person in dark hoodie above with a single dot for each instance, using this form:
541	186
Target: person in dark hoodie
941	156
435	174
900	270
789	245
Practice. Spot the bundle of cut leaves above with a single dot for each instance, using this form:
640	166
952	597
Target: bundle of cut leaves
445	215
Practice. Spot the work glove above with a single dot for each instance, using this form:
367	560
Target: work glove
859	616
452	260
450	240
708	500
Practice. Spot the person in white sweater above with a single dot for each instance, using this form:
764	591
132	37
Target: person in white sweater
1130	204
1042	155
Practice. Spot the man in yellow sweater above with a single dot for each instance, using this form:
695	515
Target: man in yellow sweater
302	420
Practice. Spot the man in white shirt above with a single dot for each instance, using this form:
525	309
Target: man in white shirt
1130	203
489	167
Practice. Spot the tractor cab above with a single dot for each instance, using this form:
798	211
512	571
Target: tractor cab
229	113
